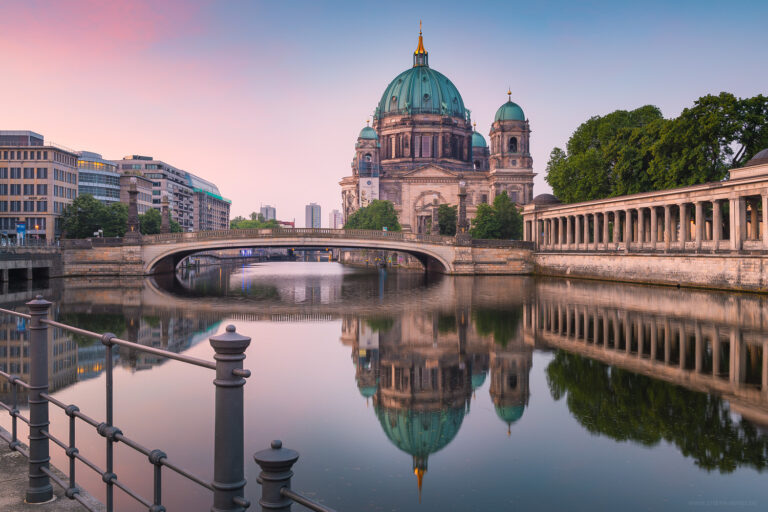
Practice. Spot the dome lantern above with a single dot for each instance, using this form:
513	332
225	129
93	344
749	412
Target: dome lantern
420	56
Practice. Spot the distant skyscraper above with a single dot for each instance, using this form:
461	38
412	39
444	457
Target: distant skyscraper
268	212
335	220
312	211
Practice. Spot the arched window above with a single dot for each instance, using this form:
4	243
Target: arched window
513	144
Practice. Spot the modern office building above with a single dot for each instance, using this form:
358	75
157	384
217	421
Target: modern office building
209	210
312	215
335	220
166	180
98	177
37	181
144	187
268	212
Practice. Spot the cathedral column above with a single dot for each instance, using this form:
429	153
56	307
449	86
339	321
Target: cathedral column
627	229
699	223
568	232
667	226
605	231
561	233
616	228
684	227
699	349
596	230
764	224
717	222
654	340
641	226
654	227
716	353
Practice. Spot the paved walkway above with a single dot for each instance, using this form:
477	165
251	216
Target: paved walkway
13	484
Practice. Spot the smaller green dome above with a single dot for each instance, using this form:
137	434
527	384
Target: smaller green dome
368	133
509	413
478	141
510	111
368	391
477	380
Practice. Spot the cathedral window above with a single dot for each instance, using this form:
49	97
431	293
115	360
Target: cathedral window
513	144
417	145
426	149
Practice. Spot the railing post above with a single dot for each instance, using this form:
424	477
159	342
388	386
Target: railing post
228	466
275	463
40	489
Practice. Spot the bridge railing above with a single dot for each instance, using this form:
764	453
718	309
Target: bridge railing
355	234
228	485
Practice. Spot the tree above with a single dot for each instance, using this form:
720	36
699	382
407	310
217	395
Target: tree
446	219
502	221
256	221
150	222
377	215
87	215
627	152
175	227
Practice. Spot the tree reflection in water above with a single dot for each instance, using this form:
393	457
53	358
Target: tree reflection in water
630	407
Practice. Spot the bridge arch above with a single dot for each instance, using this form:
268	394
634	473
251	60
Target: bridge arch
161	253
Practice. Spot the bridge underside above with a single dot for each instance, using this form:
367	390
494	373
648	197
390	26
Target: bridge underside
168	262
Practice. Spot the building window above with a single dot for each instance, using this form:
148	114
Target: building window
15	173
513	144
484	198
42	173
29	206
42	206
29	190
15	189
29	173
4	172
42	190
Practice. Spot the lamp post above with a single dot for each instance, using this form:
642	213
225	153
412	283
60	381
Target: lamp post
462	226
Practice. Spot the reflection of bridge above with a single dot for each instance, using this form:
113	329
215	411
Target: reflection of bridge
156	253
722	350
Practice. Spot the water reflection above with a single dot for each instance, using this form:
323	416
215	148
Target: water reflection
642	366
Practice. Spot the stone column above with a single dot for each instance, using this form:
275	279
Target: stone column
605	230
595	332
753	221
641	226
683	346
576	231
561	232
654	227
683	237
576	324
616	228
627	334
667	226
605	331
716	354
653	341
699	348
738	221
616	331
596	230
699	224
667	342
738	357
717	222
567	322
627	229
764	225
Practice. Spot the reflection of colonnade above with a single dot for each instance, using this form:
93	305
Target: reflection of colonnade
730	215
421	369
712	356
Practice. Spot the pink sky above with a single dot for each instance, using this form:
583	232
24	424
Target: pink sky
266	99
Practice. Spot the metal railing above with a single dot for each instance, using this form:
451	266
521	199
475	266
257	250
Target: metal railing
228	485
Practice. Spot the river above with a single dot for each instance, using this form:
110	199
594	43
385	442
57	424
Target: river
405	392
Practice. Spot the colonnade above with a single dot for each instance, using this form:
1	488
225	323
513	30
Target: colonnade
651	224
684	347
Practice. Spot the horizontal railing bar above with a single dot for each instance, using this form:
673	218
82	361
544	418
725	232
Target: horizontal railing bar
15	313
22	418
13	379
64	486
130	492
135	346
133	444
90	464
183	473
54	439
303	500
77	414
6	407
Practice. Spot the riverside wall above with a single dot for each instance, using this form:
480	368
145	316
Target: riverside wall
747	272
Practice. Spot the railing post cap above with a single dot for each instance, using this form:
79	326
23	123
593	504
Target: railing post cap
230	342
276	459
39	303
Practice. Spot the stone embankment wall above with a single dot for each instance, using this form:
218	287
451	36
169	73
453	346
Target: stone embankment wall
366	258
105	258
720	271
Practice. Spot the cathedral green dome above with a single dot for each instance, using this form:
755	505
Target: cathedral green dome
368	133
368	391
421	90
477	380
510	111
420	433
478	141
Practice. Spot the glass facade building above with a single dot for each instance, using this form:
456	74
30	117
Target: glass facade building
98	177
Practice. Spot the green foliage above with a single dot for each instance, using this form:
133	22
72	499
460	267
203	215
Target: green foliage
626	152
86	215
501	323
256	221
380	323
630	407
175	227
446	323
150	222
377	215
101	323
502	221
446	219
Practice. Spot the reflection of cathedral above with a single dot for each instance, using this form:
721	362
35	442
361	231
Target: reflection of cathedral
421	370
422	144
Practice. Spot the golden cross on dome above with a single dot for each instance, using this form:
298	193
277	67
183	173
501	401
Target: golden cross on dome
509	93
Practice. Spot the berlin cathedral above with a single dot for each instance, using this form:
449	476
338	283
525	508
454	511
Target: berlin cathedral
422	146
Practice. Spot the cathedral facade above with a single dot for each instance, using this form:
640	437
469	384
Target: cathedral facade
422	146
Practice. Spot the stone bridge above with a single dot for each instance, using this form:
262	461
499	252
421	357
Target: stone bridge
161	253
